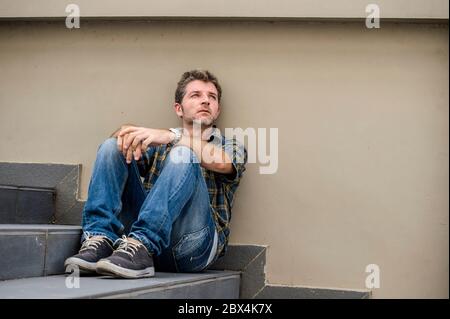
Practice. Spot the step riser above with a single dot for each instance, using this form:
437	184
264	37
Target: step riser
214	289
26	205
61	178
35	252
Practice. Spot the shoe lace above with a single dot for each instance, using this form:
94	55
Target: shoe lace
127	246
92	242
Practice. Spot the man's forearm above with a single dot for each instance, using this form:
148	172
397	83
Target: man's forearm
211	157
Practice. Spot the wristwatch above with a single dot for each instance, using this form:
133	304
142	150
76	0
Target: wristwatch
178	135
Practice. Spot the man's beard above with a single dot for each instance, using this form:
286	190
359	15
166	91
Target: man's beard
203	121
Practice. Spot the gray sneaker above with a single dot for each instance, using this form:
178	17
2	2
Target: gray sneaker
93	249
130	260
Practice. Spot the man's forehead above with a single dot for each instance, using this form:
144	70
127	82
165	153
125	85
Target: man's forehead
198	85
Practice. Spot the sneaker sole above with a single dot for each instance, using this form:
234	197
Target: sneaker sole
84	266
105	267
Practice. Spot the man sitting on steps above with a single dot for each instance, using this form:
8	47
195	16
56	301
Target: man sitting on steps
177	219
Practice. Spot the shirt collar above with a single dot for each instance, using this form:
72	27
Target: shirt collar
215	133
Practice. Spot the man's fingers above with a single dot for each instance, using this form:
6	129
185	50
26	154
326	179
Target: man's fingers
137	146
146	143
137	140
127	130
129	155
122	147
126	143
129	140
119	143
137	154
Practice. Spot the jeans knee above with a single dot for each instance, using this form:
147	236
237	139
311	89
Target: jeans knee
109	146
182	155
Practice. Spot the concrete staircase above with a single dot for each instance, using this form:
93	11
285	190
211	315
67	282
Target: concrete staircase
33	250
39	228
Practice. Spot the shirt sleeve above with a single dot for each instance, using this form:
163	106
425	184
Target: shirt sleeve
238	155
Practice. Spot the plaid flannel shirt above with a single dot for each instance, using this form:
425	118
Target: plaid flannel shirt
221	187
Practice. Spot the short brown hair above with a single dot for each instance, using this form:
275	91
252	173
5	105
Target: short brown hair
187	77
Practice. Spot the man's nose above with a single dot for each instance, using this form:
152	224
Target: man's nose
205	99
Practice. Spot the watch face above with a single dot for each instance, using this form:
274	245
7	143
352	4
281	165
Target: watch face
177	135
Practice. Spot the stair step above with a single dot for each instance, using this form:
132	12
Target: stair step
26	205
36	250
209	284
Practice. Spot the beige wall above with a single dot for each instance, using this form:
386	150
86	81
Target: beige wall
390	9
362	117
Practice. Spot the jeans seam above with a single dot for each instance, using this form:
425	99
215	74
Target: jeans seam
143	240
96	233
138	175
184	178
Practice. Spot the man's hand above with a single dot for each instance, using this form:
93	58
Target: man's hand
135	140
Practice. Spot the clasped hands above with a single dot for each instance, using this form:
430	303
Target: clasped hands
134	141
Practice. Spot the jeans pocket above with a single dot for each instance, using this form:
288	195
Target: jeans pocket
192	251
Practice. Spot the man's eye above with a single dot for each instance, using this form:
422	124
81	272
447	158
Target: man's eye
213	97
194	95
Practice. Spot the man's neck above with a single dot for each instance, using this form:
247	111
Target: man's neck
190	129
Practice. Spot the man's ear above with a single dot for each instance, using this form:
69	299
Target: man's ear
178	109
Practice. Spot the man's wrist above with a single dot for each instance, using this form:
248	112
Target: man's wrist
171	137
175	136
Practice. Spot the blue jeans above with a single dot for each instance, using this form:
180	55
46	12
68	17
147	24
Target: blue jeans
173	220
